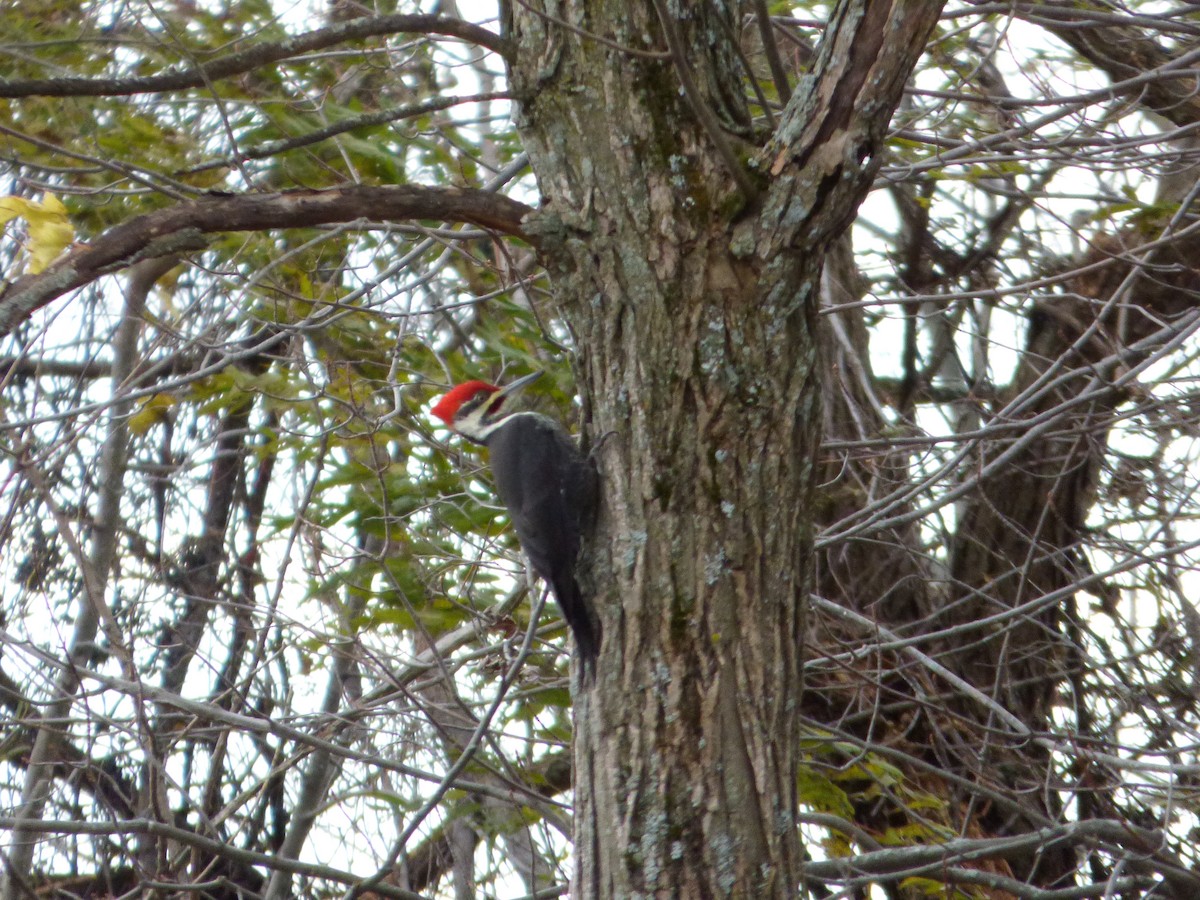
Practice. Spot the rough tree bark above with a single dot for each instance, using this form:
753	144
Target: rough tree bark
690	280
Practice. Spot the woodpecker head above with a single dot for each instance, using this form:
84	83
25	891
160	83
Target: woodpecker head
475	409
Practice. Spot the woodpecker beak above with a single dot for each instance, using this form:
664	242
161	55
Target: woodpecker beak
515	387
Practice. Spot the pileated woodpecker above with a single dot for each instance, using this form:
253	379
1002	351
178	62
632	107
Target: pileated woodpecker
545	483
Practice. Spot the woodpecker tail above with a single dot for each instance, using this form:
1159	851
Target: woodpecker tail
584	624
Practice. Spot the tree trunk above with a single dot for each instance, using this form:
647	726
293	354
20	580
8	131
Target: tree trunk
691	286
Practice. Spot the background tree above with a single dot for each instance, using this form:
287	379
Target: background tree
265	633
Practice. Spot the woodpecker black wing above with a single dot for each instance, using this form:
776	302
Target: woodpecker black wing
549	490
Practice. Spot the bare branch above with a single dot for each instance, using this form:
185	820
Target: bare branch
1122	46
255	57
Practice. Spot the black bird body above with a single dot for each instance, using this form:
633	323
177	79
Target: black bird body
547	498
545	483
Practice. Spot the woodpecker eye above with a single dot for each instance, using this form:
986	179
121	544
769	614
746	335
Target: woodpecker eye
475	402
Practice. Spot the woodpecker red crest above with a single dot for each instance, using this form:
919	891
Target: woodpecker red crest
449	405
547	486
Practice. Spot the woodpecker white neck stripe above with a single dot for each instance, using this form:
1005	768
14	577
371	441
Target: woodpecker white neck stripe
476	426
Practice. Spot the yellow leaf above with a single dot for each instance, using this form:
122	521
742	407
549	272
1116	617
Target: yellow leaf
11	207
153	410
50	231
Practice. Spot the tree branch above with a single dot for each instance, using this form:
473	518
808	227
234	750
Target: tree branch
1121	46
934	858
224	849
255	57
830	137
93	614
184	227
333	129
